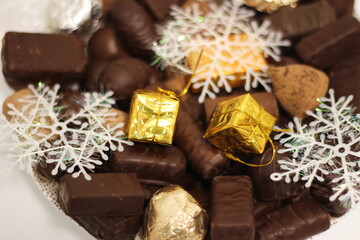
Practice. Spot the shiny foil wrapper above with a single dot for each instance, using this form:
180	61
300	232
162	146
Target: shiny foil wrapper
152	117
240	125
234	68
74	15
270	6
173	214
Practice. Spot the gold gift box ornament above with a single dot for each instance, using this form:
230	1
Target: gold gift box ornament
240	125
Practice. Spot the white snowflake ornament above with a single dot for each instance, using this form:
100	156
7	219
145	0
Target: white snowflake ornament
328	146
33	132
230	41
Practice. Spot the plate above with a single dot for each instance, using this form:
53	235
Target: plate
24	212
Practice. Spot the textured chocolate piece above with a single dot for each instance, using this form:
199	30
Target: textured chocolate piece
205	159
104	45
267	100
124	76
329	45
150	162
296	22
111	228
108	194
266	189
134	26
32	57
343	7
294	222
160	9
232	208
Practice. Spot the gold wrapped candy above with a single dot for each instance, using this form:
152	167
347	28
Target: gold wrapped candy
153	116
240	125
173	214
252	56
270	6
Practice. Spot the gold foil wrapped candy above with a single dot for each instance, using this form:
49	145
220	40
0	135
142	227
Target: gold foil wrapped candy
240	125
173	214
153	116
270	6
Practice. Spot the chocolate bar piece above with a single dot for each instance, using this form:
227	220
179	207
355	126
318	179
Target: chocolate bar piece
294	222
111	228
150	162
205	159
232	208
266	189
160	9
32	57
134	26
296	22
106	194
331	44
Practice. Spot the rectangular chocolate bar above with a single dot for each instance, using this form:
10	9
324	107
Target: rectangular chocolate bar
296	221
232	208
33	57
331	44
108	194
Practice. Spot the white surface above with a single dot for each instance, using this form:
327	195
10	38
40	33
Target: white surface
24	213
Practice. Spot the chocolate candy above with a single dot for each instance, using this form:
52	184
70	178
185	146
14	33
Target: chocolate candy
151	162
104	45
134	26
205	159
266	189
111	228
202	196
124	76
69	103
45	169
294	222
160	9
265	207
107	194
296	22
32	57
232	208
343	7
329	45
91	81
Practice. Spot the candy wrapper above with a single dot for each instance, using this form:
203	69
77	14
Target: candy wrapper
153	116
174	214
270	6
240	125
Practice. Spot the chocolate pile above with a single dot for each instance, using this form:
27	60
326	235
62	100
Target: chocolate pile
242	202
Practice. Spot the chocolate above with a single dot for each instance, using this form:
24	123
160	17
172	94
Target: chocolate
267	100
264	207
106	194
266	189
111	228
202	195
69	103
134	26
329	45
104	45
124	76
45	169
296	22
160	9
232	208
343	7
294	222
151	162
52	58
204	159
91	81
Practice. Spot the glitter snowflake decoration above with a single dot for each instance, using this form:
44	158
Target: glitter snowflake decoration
77	144
230	42
328	147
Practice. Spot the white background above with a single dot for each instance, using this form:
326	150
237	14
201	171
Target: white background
24	213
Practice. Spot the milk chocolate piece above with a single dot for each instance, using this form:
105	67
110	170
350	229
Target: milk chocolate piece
32	57
266	189
160	9
343	7
232	208
151	162
202	196
111	228
91	81
45	169
329	45
106	194
204	159
69	103
296	22
264	207
134	26
124	76
104	45
294	222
